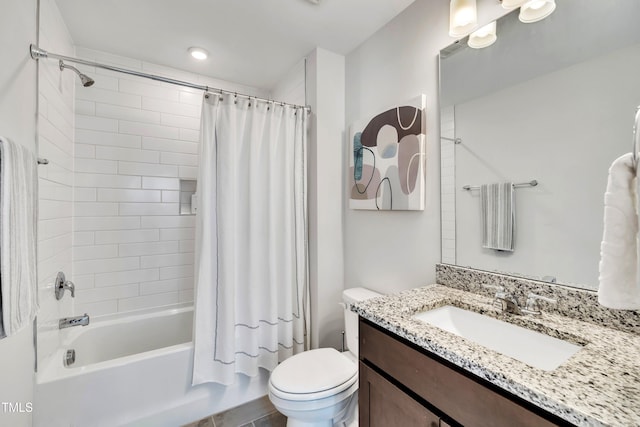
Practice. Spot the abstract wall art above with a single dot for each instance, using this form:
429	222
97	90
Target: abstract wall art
387	159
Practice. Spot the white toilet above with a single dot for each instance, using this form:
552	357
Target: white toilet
317	388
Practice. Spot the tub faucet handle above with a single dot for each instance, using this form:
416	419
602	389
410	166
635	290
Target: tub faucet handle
61	284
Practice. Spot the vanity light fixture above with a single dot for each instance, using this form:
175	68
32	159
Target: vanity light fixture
463	17
485	36
198	53
536	10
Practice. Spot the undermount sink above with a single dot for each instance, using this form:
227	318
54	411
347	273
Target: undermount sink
533	348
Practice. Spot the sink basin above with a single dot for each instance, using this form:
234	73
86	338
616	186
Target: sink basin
533	348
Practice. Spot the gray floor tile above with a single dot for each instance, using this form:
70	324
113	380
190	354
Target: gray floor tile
275	419
244	414
205	422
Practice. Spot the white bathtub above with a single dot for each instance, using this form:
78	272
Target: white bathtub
132	370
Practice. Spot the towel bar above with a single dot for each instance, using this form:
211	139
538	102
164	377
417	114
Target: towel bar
636	137
531	183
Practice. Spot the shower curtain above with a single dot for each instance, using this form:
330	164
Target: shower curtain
251	246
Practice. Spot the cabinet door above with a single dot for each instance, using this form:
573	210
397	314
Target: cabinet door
382	404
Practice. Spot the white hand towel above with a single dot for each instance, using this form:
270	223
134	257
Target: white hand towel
498	216
619	287
18	222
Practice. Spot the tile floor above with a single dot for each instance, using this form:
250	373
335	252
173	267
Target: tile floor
257	413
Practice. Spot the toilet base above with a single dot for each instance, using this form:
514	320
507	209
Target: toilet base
302	423
346	417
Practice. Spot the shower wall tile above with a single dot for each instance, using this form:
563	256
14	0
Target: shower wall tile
149	209
144	129
126	277
56	125
109	139
100	308
147	169
133	249
148	301
144	89
106	293
160	183
115	195
134	140
129	238
127	113
126	154
169	145
109	97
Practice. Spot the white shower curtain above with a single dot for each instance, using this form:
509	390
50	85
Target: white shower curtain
251	244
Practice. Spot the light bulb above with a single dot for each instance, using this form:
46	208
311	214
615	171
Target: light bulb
462	17
198	53
536	10
485	36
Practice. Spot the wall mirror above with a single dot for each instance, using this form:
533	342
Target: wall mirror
551	101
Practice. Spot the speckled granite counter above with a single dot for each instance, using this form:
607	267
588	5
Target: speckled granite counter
599	385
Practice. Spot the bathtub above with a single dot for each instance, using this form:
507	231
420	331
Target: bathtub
132	370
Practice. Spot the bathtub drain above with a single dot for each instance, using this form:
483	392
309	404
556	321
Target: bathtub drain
69	357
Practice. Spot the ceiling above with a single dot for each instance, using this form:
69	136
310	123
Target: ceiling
253	42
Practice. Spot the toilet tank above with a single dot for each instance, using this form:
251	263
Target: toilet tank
350	296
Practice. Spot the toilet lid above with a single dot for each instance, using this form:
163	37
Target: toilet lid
314	371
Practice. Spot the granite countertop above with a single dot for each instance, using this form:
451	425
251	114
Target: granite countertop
599	385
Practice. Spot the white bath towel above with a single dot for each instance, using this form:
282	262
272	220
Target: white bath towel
18	216
619	283
498	216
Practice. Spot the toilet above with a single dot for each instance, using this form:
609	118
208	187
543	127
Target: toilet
317	388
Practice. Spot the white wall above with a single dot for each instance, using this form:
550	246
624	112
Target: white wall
17	121
291	87
325	95
391	251
55	193
135	138
563	129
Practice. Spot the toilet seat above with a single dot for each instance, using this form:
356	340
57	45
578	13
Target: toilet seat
313	375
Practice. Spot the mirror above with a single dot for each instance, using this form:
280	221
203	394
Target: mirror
552	101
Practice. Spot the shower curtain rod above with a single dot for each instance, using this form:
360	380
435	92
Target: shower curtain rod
37	53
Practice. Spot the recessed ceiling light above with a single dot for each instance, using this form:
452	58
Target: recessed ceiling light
198	53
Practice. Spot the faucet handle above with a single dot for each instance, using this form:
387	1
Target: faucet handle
71	287
61	284
532	306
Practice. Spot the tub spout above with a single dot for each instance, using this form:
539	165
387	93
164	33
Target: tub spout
68	322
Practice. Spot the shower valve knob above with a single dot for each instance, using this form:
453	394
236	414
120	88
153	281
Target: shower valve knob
61	284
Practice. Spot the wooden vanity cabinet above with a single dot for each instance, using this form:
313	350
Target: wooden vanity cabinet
403	385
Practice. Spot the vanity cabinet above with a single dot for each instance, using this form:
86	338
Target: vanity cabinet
403	385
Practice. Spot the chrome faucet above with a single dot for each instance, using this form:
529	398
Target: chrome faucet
507	302
68	322
63	284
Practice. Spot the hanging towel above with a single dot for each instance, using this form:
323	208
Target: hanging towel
619	286
498	216
18	215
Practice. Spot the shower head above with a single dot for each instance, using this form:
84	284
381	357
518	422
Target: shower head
86	80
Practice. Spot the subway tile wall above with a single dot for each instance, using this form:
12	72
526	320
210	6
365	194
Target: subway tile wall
55	180
134	140
448	185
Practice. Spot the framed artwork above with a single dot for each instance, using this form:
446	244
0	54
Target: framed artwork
387	159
